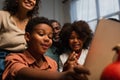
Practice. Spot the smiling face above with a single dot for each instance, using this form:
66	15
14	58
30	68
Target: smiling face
26	4
75	42
56	31
40	39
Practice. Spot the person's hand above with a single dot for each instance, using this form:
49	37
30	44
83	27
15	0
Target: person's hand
71	61
81	69
79	73
75	70
73	58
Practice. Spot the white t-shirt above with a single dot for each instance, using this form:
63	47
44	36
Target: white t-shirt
64	57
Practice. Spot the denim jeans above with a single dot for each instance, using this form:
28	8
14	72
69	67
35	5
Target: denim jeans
2	61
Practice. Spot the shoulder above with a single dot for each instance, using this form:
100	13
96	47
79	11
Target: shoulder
85	51
4	15
64	55
14	57
13	62
2	12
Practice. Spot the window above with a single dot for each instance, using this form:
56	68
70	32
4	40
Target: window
92	10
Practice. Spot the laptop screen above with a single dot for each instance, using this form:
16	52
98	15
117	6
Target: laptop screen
106	36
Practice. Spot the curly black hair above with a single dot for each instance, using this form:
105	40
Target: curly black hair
81	28
35	21
12	7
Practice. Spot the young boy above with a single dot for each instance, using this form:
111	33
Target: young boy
32	64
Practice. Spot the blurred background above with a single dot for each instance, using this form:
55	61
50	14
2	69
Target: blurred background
71	10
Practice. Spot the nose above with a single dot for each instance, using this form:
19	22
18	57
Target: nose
46	38
56	31
75	39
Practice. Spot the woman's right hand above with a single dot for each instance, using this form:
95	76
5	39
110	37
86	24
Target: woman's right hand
71	61
75	70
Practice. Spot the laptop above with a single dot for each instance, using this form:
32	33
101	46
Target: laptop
106	36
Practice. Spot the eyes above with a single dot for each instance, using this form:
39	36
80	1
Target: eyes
57	28
72	37
75	36
43	33
50	36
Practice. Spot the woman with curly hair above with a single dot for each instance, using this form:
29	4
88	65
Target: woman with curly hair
13	19
75	38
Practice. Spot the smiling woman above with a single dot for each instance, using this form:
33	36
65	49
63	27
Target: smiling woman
13	19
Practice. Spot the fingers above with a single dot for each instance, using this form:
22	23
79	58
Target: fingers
72	57
76	76
71	61
81	69
80	77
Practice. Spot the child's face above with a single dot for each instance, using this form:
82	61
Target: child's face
75	42
40	39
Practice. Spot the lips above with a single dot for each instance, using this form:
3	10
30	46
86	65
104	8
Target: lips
45	46
76	46
29	4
